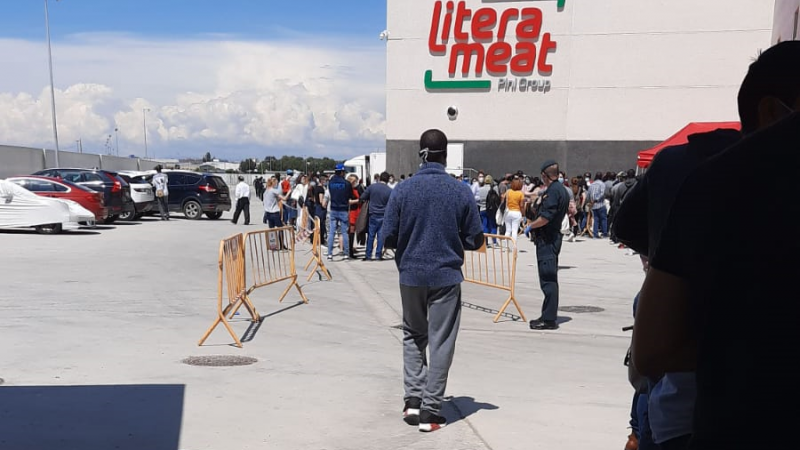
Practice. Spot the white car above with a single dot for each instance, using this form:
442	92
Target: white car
142	194
21	208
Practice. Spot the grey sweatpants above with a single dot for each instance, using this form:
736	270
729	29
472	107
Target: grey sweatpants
431	317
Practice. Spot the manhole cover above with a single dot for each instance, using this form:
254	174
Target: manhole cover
219	361
581	309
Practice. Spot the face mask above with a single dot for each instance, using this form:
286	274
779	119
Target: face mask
480	179
587	180
560	179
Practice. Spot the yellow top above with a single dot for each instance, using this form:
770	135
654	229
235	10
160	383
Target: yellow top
514	200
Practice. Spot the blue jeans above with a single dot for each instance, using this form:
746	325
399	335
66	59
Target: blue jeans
340	220
600	221
273	219
489	223
375	228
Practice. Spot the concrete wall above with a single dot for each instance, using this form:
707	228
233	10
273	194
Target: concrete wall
25	160
786	27
499	157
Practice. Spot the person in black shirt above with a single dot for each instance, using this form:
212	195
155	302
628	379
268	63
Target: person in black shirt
704	305
548	238
321	207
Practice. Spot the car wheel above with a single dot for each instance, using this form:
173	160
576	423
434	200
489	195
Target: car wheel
53	228
110	219
192	210
214	215
127	215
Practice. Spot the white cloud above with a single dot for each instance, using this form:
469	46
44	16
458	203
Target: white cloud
233	98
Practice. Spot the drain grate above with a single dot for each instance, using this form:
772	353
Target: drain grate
581	309
219	361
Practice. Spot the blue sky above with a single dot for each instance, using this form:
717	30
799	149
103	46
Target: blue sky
252	19
234	77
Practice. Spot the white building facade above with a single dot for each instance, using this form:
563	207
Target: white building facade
787	21
587	83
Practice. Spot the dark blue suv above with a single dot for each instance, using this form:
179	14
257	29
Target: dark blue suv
195	193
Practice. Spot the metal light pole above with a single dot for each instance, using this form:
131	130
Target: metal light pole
144	122
116	136
52	87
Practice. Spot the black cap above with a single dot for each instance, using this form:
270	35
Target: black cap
547	164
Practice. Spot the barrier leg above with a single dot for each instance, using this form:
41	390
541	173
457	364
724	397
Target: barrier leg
505	305
289	287
245	301
221	318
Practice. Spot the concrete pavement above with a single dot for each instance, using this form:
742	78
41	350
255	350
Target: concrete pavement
123	306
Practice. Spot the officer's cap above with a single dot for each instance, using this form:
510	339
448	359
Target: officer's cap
547	164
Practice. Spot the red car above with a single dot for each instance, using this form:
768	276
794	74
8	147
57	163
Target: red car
64	190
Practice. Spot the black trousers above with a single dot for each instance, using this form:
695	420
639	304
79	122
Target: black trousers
243	204
547	252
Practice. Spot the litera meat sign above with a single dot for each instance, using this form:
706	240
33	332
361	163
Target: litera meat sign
478	38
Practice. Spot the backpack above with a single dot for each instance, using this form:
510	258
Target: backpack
492	200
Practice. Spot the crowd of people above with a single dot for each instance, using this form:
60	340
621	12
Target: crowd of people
708	369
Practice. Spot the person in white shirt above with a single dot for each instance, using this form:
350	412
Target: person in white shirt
392	183
161	185
242	201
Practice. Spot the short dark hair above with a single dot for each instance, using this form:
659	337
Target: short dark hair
631	173
158	168
433	140
384	177
776	73
402	177
598	176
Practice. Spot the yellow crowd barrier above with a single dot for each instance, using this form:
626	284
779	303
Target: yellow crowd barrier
270	257
495	267
303	233
316	254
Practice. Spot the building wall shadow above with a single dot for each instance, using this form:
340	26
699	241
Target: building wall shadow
121	417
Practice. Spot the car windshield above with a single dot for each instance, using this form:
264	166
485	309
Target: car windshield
142	179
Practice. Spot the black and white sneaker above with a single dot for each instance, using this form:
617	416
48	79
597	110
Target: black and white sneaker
429	421
411	411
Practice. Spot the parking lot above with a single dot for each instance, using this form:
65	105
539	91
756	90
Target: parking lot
122	306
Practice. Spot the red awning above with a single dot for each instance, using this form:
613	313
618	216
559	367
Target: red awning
682	137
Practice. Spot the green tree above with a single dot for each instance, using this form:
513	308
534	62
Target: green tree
248	165
207	157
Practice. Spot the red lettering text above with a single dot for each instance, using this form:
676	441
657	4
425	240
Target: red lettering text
497	58
432	45
547	46
462	15
466	50
531	24
525	59
483	24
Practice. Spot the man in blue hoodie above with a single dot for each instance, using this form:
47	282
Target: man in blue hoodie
430	220
341	198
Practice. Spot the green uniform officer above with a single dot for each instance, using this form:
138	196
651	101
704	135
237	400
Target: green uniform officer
548	238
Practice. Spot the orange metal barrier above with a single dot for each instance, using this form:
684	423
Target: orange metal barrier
316	254
270	257
303	233
495	267
231	279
